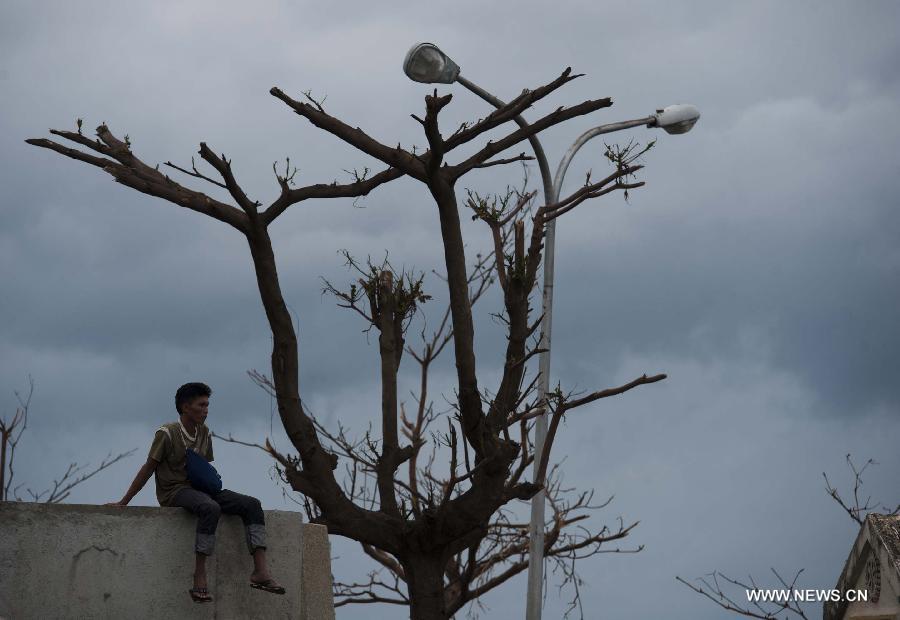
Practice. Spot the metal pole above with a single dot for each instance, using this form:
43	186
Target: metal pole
536	528
551	195
538	504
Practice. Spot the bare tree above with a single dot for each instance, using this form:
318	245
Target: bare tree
417	528
503	552
857	511
716	585
11	430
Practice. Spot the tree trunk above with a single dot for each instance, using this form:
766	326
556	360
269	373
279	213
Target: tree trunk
425	580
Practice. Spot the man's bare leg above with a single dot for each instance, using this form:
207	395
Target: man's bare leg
261	572
260	569
200	574
200	571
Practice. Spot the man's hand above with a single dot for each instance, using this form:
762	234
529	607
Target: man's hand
118	503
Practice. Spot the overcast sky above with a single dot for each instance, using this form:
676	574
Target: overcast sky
758	268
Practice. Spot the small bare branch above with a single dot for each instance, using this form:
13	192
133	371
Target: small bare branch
712	589
564	405
72	477
856	511
196	173
508	160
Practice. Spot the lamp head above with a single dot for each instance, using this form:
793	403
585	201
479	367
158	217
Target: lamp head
426	63
677	119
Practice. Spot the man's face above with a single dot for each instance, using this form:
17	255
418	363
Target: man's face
196	410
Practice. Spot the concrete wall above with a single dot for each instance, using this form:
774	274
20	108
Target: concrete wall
77	561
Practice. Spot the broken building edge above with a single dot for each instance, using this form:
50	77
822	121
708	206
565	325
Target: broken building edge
873	566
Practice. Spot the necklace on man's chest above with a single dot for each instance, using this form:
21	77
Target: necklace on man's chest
188	438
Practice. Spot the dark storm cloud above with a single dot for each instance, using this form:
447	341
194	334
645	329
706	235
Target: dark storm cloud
800	256
758	267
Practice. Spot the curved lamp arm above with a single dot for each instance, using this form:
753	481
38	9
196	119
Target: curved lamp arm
521	122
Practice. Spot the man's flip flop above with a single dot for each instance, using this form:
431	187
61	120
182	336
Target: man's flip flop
200	595
269	585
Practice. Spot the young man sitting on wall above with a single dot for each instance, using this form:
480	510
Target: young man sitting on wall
167	459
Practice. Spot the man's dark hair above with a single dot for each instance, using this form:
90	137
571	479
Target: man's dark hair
188	392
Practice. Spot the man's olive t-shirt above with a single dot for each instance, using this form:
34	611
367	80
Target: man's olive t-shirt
169	445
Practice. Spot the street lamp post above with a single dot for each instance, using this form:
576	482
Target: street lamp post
426	63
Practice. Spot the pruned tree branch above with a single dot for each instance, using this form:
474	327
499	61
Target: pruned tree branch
509	111
564	404
397	157
356	189
128	170
554	118
223	167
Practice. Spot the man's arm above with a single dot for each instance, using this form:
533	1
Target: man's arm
140	480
